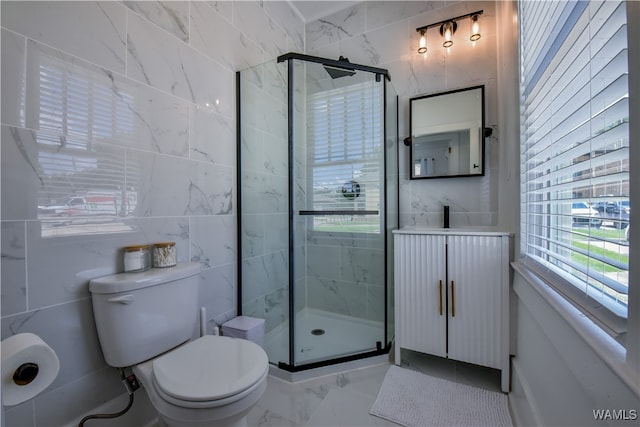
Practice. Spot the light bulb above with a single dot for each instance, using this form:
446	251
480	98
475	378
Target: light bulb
422	47
447	33
475	28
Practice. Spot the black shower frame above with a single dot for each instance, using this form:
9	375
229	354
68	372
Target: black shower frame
380	349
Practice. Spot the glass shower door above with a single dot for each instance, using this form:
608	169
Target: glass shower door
337	212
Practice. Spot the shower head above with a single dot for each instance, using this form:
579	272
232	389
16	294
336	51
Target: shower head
337	73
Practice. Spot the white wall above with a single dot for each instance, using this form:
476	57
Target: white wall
167	63
565	367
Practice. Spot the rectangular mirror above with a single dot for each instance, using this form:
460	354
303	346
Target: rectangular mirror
447	134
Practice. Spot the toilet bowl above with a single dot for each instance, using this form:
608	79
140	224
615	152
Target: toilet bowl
146	321
212	381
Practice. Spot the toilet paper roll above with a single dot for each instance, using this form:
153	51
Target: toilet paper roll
29	366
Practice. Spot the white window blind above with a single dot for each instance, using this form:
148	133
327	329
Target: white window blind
575	146
345	131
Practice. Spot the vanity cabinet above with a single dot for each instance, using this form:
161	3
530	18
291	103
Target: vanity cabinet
452	296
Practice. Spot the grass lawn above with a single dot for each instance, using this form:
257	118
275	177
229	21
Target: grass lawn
581	241
595	264
601	233
349	227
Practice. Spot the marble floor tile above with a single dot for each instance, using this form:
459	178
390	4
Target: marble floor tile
259	416
345	399
292	401
346	407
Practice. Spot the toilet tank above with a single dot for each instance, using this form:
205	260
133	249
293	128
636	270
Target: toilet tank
141	315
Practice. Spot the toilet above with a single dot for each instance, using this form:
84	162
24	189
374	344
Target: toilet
146	320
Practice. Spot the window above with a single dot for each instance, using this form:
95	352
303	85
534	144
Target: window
345	130
575	150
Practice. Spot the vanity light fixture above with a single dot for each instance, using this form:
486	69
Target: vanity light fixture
448	28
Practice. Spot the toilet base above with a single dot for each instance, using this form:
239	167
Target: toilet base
223	417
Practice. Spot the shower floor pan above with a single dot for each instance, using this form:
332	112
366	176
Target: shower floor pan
321	335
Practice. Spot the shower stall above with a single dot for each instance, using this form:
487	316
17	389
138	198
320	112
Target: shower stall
317	200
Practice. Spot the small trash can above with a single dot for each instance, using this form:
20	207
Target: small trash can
248	328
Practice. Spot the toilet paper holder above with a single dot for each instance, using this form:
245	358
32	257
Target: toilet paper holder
25	373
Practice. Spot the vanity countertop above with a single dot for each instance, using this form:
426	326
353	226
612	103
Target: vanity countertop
462	231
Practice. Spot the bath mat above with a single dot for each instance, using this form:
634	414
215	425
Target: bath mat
413	399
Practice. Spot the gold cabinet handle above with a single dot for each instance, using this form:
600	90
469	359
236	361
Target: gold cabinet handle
440	297
453	300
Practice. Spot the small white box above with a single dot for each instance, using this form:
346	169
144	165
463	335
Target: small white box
248	328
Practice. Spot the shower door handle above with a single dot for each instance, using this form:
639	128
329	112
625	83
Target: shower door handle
338	212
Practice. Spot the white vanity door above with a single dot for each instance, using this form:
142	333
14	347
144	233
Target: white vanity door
420	266
475	305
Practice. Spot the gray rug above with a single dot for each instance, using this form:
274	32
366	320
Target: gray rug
413	399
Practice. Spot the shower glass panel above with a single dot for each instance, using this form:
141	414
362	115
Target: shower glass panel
318	186
263	202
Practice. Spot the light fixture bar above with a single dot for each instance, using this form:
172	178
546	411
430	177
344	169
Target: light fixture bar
457	18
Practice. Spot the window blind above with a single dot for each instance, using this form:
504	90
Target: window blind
575	145
345	131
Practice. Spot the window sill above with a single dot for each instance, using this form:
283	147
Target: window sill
610	351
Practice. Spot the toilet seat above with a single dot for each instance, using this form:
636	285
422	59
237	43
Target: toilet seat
209	372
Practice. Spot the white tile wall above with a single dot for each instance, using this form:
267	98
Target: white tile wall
153	112
171	16
95	31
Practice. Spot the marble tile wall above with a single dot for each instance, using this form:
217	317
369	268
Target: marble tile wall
135	102
382	34
345	275
264	191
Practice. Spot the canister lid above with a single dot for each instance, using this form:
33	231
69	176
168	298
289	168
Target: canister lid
134	248
164	244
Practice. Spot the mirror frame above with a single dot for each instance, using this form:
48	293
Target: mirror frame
409	140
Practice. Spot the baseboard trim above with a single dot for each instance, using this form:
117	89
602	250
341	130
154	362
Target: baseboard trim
523	416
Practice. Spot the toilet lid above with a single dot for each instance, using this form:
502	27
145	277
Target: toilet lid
210	368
